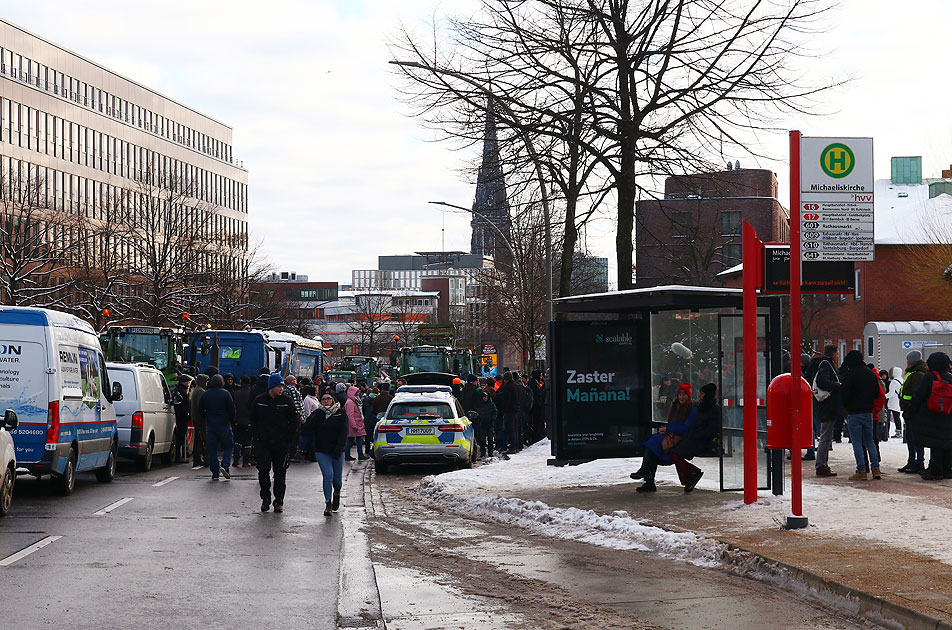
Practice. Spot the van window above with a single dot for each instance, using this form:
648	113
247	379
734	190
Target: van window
151	388
128	381
166	392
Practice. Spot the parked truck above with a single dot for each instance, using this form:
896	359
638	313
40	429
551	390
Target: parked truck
162	348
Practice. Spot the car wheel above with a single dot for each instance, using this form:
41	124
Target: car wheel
168	457
381	467
108	472
466	463
6	491
67	481
144	463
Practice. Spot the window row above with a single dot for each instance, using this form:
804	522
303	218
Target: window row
43	187
47	79
45	133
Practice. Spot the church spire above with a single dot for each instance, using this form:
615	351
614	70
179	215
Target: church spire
491	200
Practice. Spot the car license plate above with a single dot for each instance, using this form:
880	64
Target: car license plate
420	431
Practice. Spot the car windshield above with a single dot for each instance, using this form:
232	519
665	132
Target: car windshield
425	362
359	365
409	411
142	348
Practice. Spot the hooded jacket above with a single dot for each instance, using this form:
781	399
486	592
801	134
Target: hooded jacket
198	420
356	418
895	386
216	404
859	385
910	386
932	429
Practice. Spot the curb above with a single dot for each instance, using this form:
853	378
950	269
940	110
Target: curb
358	598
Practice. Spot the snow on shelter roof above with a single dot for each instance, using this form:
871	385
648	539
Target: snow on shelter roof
929	327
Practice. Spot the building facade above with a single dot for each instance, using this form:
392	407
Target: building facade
95	144
693	233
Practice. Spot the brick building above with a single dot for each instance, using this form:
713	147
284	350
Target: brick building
693	233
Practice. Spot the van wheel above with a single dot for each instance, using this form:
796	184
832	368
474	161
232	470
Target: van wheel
144	463
67	481
6	491
108	472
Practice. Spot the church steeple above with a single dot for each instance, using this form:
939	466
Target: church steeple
491	201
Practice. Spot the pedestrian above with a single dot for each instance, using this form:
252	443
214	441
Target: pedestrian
218	409
484	425
306	442
230	384
370	420
810	455
290	389
340	393
860	389
273	420
934	428
469	398
331	427
260	386
242	396
892	400
183	415
827	404
537	417
882	418
200	450
357	431
916	370
508	403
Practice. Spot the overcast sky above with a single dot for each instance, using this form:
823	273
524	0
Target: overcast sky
337	171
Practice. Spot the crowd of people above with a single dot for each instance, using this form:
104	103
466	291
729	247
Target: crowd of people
274	422
852	400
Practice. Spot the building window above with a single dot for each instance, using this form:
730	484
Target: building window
858	294
730	223
680	224
731	255
870	348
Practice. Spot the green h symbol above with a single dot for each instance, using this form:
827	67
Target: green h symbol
838	159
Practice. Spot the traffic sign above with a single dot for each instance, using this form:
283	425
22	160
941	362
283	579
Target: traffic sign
836	199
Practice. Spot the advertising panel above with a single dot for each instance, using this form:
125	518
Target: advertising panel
598	389
815	277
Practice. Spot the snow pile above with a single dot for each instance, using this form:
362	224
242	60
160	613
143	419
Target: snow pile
617	530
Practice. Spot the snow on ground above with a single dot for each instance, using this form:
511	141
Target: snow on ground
857	510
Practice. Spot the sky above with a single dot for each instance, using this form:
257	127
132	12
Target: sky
339	173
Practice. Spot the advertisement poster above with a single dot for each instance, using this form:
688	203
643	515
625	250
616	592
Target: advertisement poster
488	359
598	389
89	373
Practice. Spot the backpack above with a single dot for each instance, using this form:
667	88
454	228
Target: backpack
940	398
821	394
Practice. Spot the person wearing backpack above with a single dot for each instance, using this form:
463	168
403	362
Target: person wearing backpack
823	376
916	370
861	393
933	400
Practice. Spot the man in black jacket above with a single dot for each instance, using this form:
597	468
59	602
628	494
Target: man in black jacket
822	372
916	369
859	389
273	423
218	408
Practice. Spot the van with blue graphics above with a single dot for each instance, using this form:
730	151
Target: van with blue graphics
53	375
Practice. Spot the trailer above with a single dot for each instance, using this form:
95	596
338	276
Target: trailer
888	343
301	357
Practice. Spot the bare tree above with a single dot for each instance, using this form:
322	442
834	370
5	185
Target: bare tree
372	316
32	242
666	86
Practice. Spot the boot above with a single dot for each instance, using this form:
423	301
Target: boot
335	504
638	474
877	474
648	486
824	471
327	509
860	476
696	477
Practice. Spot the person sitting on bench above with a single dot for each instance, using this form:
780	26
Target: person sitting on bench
689	432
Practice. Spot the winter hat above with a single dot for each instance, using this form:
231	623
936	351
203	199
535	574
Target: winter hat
183	379
472	378
939	362
914	357
686	388
804	360
201	380
384	387
709	390
853	359
211	371
217	381
340	387
275	380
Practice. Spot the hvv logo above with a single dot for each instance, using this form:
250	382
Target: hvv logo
622	339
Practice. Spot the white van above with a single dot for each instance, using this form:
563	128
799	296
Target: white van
8	461
144	416
52	374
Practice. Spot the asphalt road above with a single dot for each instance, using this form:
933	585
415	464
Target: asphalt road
189	553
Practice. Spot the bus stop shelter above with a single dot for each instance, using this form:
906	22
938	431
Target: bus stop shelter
619	357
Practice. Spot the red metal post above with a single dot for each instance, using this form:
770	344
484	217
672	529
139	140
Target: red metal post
796	475
751	252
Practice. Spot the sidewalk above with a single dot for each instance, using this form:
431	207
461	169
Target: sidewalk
882	541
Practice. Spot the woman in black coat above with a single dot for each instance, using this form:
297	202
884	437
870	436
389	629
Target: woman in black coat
698	439
934	429
330	425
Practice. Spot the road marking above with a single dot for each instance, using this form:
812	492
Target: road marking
163	482
198	467
112	506
23	553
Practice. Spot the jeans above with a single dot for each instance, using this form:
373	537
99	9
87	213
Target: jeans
514	427
272	456
823	443
917	453
359	441
242	451
219	435
332	471
501	433
861	435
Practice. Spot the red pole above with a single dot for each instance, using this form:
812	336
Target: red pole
796	474
751	259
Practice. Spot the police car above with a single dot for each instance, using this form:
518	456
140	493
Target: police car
423	424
